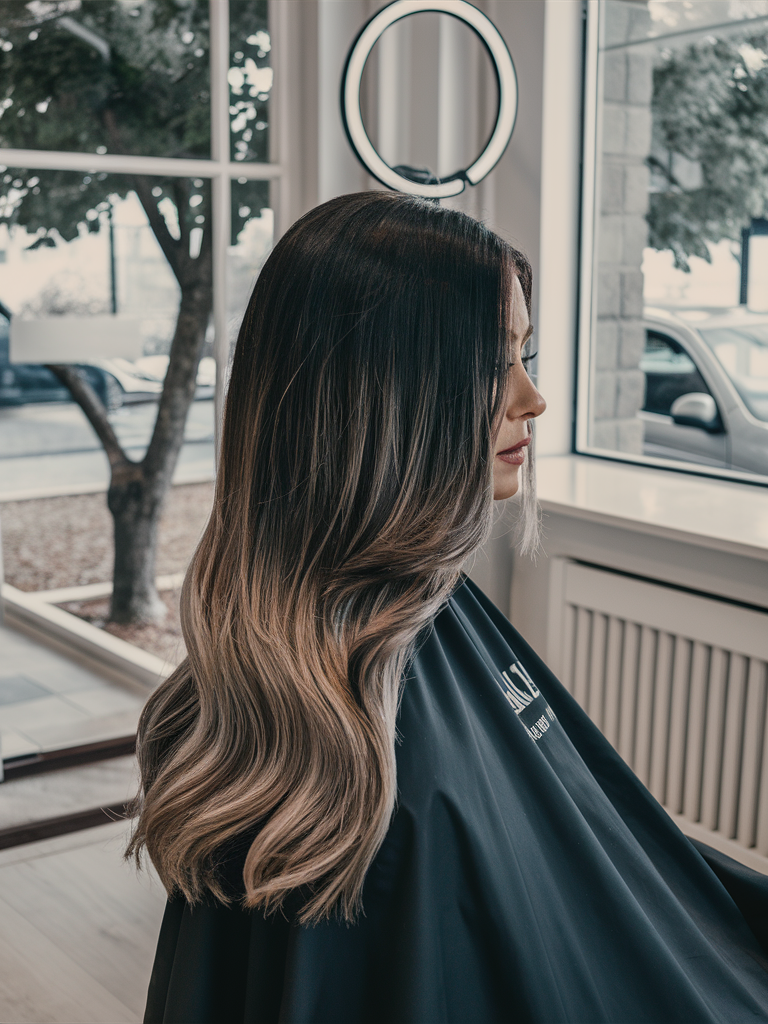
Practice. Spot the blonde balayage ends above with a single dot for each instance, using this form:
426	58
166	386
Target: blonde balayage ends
355	478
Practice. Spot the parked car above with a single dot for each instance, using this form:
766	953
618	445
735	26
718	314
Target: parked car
115	381
706	393
135	385
157	367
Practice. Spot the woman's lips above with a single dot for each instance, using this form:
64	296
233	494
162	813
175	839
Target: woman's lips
515	455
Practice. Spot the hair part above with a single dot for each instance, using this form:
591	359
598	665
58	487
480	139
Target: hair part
355	478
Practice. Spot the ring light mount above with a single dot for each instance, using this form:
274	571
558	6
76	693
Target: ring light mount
506	80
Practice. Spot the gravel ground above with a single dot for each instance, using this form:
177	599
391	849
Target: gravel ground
49	543
67	541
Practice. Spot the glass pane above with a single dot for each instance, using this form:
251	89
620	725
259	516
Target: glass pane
106	76
74	245
252	228
250	80
743	354
681	237
127	261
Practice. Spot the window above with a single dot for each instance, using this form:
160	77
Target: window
674	305
135	204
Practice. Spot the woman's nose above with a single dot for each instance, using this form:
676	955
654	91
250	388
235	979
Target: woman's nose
526	401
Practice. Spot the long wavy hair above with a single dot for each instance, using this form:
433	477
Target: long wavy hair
355	478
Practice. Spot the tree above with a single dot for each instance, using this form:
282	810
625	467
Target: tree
129	77
710	106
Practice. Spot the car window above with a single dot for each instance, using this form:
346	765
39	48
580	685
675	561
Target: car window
743	354
669	373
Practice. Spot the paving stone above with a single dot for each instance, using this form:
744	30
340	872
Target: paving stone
14	689
75	706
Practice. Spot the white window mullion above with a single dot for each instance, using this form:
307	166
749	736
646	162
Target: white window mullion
116	163
221	195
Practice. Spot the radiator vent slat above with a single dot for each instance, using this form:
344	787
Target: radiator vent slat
613	659
678	683
597	664
662	707
754	729
732	746
645	699
628	690
714	740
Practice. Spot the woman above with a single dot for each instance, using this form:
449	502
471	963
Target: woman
368	799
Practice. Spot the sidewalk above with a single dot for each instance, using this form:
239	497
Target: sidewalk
42	476
49	701
51	449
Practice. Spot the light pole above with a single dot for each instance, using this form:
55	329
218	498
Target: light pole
112	270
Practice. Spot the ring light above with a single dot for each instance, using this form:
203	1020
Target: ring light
505	116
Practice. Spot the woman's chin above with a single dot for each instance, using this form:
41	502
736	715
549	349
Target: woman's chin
505	483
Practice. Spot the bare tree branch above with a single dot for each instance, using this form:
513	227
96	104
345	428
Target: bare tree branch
171	246
93	407
141	186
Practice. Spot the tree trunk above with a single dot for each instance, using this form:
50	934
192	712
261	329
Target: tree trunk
137	491
136	507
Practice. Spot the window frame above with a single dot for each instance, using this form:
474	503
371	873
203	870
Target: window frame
590	190
219	169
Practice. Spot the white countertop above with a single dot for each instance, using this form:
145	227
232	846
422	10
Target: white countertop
717	514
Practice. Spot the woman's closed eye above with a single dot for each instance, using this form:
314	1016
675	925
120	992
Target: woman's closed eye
526	360
525	343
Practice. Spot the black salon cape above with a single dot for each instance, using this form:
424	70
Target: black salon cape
527	876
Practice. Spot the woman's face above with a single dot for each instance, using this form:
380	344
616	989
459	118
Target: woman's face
522	403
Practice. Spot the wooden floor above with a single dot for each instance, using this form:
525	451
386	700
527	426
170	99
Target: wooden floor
78	929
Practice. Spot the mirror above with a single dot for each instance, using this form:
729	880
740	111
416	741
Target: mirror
697	409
